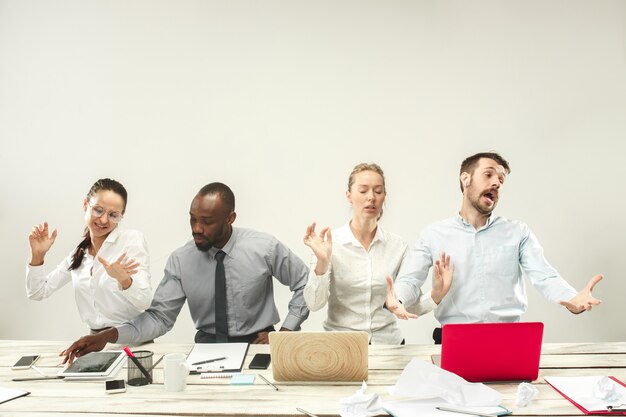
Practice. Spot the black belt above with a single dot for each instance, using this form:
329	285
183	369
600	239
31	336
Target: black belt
204	337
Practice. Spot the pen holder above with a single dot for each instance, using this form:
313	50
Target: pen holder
135	376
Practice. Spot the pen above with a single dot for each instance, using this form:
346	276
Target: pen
265	379
473	413
305	412
208	361
38	378
155	364
136	362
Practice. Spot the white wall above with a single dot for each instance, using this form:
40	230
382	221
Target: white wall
279	99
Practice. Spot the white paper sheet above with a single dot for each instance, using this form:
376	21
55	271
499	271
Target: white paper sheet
235	353
8	394
579	389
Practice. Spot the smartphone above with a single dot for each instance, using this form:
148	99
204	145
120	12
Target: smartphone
260	361
25	362
114	386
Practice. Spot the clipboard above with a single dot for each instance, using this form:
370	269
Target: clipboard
217	357
567	387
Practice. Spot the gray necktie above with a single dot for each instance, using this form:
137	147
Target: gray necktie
221	320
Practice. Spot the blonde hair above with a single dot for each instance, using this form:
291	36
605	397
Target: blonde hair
364	166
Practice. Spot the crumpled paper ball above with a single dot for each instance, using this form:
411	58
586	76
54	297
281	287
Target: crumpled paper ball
525	394
606	390
361	404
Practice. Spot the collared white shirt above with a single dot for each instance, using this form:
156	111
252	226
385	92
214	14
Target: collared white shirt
487	285
100	299
355	284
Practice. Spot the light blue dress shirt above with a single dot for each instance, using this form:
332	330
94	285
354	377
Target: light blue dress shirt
252	259
487	285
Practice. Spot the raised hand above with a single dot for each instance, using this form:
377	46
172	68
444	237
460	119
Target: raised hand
583	301
121	270
322	246
442	277
40	242
394	305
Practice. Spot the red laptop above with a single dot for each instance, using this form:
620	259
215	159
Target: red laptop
484	352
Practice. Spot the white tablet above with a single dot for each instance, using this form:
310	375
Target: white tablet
95	365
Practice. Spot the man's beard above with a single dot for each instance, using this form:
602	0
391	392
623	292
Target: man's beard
204	247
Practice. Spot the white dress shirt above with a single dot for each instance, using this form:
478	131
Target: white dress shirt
355	285
100	299
487	285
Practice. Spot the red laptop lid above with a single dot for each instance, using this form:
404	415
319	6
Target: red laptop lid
482	352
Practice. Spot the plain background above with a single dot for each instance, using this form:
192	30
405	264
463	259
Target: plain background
280	99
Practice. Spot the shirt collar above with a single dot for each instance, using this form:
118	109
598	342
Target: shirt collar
344	235
492	218
228	247
112	237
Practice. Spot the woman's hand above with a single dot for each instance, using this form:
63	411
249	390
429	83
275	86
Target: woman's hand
321	245
40	242
121	270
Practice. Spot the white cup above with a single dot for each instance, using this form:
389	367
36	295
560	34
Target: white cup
175	371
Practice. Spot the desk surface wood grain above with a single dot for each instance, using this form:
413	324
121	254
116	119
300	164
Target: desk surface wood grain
216	397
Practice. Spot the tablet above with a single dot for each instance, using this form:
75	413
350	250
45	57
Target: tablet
95	365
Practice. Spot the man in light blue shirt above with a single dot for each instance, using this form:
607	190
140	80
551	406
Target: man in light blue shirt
226	276
489	253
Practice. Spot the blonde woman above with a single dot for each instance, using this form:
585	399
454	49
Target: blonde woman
354	266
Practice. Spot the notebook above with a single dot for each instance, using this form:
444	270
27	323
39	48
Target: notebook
490	352
319	356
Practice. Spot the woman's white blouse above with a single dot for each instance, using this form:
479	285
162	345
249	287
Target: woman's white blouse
100	299
355	285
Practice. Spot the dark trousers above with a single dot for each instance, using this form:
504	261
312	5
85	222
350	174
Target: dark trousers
203	337
437	335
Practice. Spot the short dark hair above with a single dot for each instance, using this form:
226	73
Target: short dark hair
223	190
469	164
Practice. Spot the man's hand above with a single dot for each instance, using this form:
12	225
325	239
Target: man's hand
87	344
442	278
263	338
394	305
583	301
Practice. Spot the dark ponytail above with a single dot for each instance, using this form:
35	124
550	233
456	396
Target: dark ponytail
100	185
79	253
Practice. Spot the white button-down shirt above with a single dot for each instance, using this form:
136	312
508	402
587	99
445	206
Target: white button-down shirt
487	285
100	299
355	286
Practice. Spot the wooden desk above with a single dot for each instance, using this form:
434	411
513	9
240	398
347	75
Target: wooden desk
55	398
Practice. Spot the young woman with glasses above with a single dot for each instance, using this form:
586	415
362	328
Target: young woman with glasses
109	268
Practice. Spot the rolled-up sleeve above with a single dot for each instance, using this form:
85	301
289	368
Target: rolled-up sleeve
290	270
169	299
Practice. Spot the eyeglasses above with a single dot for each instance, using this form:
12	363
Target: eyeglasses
98	211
